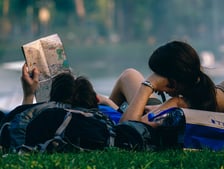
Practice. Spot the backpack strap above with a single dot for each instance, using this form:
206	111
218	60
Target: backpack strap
56	142
3	127
62	127
60	143
4	137
20	122
59	134
57	139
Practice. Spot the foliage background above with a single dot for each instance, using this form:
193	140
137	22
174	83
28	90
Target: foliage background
82	22
103	37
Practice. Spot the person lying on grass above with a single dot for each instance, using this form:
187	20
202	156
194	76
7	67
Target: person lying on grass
176	71
69	90
74	91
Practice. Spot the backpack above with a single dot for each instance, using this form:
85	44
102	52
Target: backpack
49	127
138	136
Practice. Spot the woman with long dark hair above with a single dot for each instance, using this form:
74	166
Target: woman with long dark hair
176	70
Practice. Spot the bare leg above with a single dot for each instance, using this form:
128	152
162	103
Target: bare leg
126	86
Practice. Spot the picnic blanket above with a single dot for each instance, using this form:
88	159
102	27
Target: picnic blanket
204	129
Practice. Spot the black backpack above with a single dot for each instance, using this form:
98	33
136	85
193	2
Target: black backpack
135	135
49	127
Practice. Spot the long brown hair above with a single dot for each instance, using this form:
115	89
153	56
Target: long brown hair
180	62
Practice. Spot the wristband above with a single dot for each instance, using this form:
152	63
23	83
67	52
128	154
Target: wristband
148	84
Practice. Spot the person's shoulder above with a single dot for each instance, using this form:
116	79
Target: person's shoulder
220	86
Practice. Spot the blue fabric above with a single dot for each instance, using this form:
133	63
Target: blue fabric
111	113
198	137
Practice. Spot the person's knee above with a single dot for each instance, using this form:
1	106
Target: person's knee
130	72
129	77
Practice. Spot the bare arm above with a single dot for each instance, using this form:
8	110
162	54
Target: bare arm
173	102
29	84
137	105
106	101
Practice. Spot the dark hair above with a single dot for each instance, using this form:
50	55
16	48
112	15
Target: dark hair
62	88
78	91
180	62
85	95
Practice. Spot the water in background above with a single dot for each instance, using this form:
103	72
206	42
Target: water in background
11	89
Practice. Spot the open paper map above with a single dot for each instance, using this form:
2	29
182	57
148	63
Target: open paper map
47	54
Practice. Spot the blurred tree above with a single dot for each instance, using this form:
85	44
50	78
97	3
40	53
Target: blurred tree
101	21
133	19
80	8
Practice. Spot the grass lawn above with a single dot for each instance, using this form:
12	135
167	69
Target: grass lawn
117	159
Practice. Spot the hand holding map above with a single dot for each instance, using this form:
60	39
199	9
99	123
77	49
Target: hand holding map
47	54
